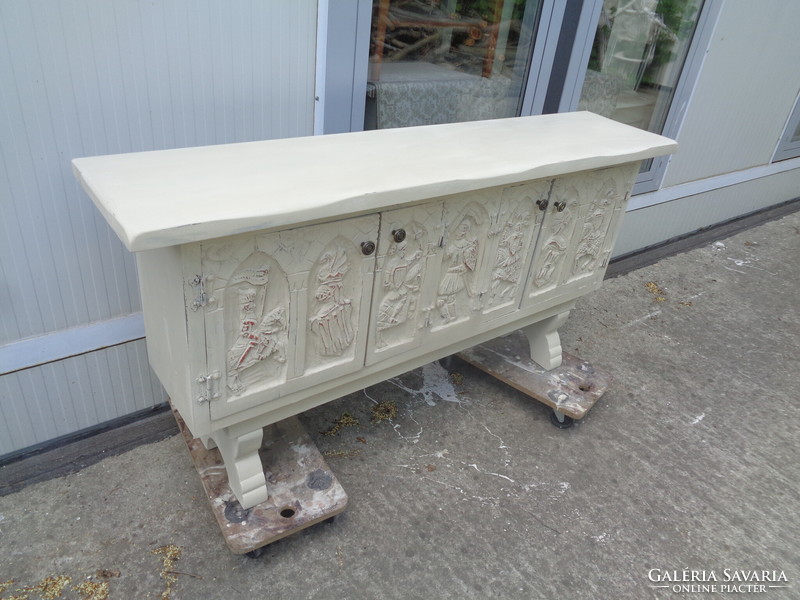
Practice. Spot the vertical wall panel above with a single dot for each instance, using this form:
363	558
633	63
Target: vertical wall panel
85	77
57	399
745	92
655	224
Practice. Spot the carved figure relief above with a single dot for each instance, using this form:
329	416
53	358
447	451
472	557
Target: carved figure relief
552	253
553	250
460	261
402	279
510	253
594	232
331	322
261	330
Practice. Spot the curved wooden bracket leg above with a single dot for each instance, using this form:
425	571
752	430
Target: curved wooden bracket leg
243	464
545	342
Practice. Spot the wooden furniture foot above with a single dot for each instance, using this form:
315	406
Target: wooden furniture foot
303	491
245	472
545	342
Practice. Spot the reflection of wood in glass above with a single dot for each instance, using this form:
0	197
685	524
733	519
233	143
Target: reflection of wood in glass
331	322
402	279
462	257
472	36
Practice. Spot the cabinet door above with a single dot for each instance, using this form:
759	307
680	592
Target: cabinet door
405	279
514	231
606	193
459	263
578	231
462	271
286	310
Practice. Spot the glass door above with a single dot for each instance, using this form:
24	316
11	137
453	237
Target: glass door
445	61
637	65
399	63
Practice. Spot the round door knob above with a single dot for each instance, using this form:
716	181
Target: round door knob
542	204
560	206
398	235
367	248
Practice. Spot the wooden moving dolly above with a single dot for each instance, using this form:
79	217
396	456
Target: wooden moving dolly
303	489
570	389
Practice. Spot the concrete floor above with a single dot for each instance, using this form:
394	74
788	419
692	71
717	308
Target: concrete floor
690	461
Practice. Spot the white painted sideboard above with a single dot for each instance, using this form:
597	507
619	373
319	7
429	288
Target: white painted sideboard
279	275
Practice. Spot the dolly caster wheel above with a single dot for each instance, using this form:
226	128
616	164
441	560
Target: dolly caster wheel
447	363
561	420
255	553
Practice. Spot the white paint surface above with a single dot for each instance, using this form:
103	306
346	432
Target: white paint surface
164	198
184	209
742	99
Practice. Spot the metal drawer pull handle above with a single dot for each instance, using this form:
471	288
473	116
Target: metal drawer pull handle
367	248
542	204
398	235
560	206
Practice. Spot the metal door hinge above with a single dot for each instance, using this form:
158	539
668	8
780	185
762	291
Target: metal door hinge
208	387
201	298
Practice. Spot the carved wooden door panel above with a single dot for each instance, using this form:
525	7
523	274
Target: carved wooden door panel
462	270
603	197
574	246
553	246
286	304
409	244
514	230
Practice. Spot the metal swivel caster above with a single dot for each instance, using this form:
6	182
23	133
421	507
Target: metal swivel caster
561	420
447	363
256	553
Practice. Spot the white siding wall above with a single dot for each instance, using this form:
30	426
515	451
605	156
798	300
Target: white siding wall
68	395
86	77
736	114
646	227
747	88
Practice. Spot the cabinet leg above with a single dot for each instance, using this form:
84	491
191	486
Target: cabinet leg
545	342
243	464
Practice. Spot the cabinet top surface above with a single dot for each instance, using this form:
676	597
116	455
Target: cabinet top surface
169	197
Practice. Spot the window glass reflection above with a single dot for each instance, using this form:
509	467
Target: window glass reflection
444	61
637	56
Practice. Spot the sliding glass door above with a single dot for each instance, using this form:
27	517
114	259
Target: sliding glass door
399	63
446	61
637	58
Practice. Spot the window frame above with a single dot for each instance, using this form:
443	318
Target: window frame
343	34
650	180
786	148
342	65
